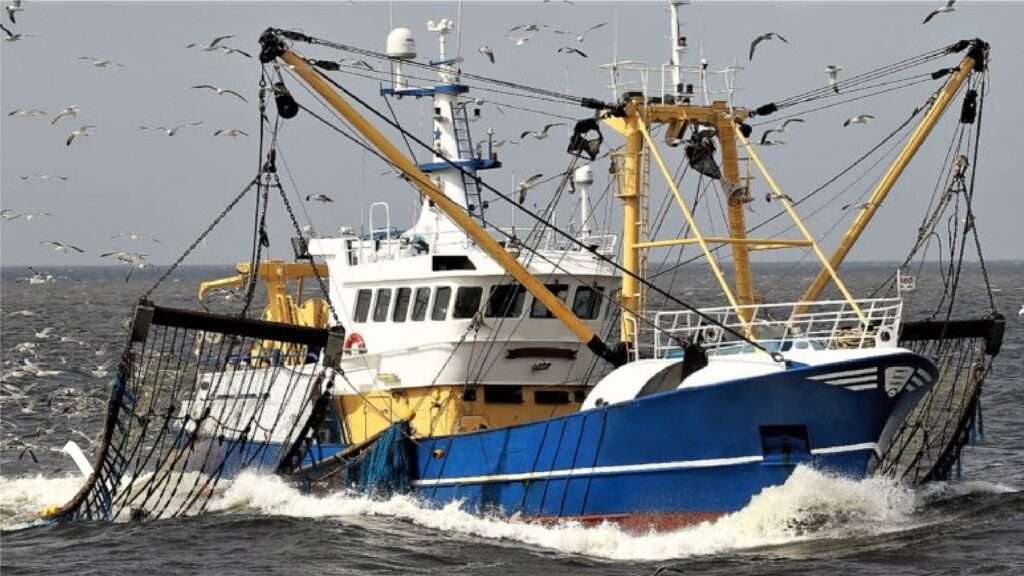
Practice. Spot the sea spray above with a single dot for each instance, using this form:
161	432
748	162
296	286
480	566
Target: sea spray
810	505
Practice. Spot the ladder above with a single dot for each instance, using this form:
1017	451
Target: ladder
464	150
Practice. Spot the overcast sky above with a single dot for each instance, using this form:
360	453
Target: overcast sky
123	179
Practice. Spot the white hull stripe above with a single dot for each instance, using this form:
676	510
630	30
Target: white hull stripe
852	380
860	372
630	468
860	387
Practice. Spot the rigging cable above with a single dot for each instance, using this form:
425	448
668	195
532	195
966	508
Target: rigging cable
775	355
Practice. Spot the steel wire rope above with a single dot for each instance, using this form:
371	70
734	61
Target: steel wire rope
775	355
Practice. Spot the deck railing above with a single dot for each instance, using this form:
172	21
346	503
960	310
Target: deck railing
782	327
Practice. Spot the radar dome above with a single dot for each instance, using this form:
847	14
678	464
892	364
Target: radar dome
401	44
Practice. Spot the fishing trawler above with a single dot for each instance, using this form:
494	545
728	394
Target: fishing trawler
460	360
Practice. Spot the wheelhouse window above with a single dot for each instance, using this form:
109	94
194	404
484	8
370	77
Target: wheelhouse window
587	303
420	304
539	310
380	308
442	299
363	298
467	301
402	298
505	301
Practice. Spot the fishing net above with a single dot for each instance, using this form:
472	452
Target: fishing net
199	397
927	445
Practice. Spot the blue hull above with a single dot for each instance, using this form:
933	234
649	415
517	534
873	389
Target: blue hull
674	457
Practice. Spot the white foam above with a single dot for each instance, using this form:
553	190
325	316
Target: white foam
810	505
22	499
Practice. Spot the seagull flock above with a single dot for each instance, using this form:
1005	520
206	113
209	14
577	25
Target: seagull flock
15	10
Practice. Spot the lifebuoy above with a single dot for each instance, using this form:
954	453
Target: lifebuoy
355	342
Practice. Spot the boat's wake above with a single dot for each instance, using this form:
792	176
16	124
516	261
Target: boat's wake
811	505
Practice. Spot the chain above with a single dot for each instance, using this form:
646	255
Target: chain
170	270
298	230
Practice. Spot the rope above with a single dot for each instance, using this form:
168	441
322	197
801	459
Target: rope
532	214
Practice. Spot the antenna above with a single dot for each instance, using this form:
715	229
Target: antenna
458	46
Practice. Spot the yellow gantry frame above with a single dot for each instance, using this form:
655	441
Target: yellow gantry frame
942	102
784	200
455	212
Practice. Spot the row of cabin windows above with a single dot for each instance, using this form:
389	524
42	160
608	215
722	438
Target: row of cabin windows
504	301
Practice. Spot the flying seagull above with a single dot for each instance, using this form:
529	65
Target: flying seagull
30	216
83	131
857	205
134	236
8	214
61	247
487	51
945	9
765	141
69	112
13	8
101	63
212	45
832	72
762	38
859	119
219	91
132	259
542	133
44	177
11	36
172	130
231	132
571	50
27	113
788	122
319	198
525	185
519	40
534	27
582	36
230	50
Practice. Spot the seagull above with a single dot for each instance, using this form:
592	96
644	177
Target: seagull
27	113
30	216
70	112
583	36
319	198
542	133
44	334
212	45
535	27
134	236
525	185
231	133
571	50
772	195
765	141
519	40
13	8
762	38
36	277
132	259
1020	313
11	36
83	131
44	177
172	130
230	50
8	214
788	122
859	119
832	72
500	143
857	205
101	63
219	91
61	247
487	51
945	9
